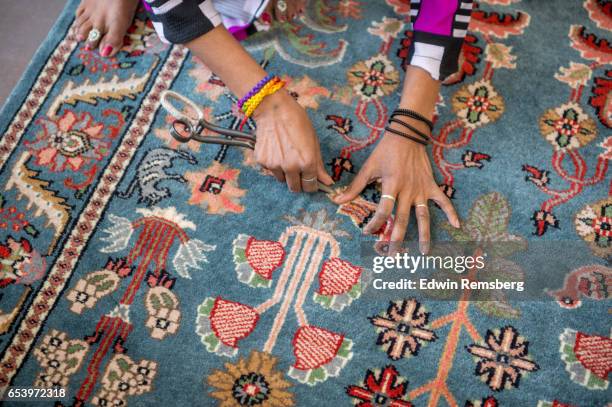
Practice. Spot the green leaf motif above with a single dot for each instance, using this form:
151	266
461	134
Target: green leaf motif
206	307
106	285
113	375
74	348
168	300
123	365
155	302
96	278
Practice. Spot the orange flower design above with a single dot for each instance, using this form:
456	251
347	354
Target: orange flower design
306	91
216	189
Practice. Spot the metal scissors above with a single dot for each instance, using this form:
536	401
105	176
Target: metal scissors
186	128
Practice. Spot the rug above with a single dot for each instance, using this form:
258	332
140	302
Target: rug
137	271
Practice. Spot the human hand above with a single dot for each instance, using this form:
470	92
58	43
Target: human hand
404	170
287	144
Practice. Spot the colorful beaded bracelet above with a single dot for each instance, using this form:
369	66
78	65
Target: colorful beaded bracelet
248	106
253	91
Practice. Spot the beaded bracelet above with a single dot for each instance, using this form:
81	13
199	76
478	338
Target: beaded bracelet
253	91
418	132
250	105
413	115
271	86
422	137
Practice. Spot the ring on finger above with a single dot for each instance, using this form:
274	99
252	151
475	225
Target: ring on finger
94	35
309	179
281	5
388	197
421	204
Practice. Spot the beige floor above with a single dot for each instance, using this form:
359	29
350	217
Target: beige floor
24	24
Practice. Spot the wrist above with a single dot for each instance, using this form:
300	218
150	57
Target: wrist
404	144
272	102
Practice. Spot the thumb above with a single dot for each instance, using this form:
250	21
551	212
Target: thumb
353	190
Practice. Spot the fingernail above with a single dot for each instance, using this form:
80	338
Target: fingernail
424	248
80	38
88	47
266	18
456	223
107	51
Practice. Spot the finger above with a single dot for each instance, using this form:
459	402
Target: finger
360	181
293	180
383	210
323	176
83	30
402	218
93	38
446	205
278	174
309	181
422	214
80	20
112	42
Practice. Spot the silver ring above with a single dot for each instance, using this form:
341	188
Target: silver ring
309	179
94	35
281	5
388	197
417	205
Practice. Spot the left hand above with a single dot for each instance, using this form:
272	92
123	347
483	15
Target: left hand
403	168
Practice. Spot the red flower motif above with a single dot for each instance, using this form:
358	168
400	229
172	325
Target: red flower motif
314	347
232	321
11	218
264	256
337	277
594	353
386	388
19	263
73	141
602	98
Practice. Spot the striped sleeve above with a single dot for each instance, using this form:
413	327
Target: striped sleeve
180	21
439	29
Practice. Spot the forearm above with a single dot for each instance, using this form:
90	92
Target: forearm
420	91
224	56
420	94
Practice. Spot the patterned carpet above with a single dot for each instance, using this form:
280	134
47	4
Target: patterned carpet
137	271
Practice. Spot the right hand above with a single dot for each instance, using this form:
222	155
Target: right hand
287	144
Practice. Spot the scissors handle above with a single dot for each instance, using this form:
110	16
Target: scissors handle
186	128
167	99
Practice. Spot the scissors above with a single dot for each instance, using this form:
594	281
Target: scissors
187	128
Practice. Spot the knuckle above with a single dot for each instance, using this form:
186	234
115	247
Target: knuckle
290	168
402	218
422	215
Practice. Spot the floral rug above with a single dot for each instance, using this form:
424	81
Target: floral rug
136	271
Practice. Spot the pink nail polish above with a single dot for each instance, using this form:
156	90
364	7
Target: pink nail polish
107	51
